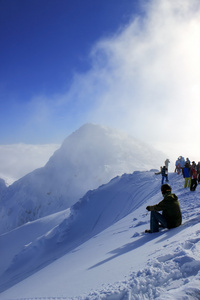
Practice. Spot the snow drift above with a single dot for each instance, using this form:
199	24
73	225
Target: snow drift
89	157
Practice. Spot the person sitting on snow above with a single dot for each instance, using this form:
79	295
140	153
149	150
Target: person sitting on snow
171	216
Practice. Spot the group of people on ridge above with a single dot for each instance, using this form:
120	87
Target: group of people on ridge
171	216
190	171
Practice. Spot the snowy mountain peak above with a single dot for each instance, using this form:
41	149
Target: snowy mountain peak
88	158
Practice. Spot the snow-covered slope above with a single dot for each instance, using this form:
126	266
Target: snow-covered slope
89	157
97	249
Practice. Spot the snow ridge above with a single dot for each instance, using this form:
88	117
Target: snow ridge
110	256
97	210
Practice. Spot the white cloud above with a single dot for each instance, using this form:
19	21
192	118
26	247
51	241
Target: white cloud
20	159
146	78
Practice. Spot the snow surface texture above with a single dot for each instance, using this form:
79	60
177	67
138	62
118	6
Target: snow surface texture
88	158
98	249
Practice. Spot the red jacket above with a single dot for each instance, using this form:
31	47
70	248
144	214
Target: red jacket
193	174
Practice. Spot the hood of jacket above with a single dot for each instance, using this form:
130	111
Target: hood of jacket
170	195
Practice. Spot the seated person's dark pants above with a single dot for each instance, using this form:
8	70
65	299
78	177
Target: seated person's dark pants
156	219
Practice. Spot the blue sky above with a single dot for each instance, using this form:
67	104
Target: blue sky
43	44
131	65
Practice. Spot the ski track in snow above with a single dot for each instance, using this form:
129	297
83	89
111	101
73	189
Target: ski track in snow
172	271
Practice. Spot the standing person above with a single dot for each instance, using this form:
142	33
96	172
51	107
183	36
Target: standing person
164	173
182	162
178	166
187	161
186	175
167	161
171	216
193	176
198	172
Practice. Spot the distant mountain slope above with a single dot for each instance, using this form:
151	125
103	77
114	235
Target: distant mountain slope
89	157
2	187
